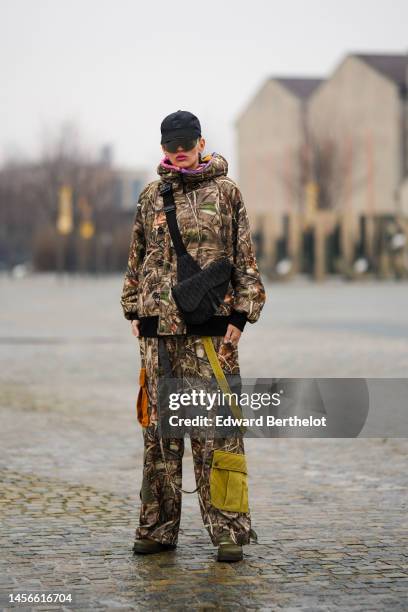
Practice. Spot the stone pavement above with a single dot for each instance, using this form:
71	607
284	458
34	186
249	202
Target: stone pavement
331	515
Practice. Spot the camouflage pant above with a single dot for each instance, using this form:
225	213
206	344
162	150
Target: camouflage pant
160	502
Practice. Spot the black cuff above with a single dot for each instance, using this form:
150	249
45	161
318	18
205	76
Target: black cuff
131	316
238	319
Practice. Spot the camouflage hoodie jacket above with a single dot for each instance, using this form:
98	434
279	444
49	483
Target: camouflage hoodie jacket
213	221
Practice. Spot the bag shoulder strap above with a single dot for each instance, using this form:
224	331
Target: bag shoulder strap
166	191
221	378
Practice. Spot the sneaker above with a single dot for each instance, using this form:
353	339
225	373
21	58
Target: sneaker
144	546
228	550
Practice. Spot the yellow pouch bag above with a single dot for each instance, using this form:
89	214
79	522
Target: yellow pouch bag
229	481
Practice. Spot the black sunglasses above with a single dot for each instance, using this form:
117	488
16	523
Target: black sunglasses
186	144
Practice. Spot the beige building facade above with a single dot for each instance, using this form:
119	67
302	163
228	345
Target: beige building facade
271	132
362	111
338	144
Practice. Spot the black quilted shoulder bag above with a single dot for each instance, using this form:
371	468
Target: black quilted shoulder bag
199	291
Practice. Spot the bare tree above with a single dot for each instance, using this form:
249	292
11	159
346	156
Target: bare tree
29	192
322	162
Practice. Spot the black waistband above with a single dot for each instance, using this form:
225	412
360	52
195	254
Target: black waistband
215	326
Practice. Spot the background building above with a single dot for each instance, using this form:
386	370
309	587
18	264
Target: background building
328	157
362	110
270	131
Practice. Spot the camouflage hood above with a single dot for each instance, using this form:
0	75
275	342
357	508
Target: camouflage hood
212	165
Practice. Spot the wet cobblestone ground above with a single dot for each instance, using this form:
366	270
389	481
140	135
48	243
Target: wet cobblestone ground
331	515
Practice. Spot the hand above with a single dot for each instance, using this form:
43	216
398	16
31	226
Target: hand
135	327
232	335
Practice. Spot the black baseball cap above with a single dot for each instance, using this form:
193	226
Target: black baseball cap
180	125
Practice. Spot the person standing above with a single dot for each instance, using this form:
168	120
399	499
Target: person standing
213	223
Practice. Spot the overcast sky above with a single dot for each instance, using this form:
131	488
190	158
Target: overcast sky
117	67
